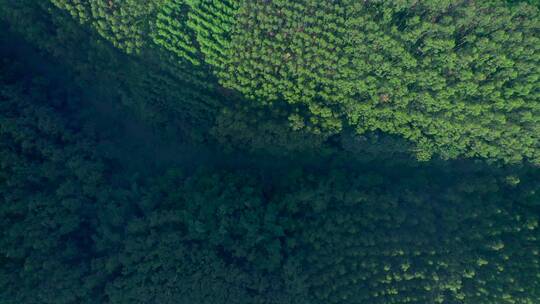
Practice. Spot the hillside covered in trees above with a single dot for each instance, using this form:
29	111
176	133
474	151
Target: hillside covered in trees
269	152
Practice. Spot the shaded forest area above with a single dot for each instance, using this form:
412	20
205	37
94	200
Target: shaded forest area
182	151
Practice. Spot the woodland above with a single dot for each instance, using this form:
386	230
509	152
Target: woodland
269	152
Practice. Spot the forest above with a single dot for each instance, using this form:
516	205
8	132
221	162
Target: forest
269	152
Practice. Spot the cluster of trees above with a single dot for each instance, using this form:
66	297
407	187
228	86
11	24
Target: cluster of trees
456	78
123	23
72	232
399	245
307	85
453	78
159	89
50	183
172	33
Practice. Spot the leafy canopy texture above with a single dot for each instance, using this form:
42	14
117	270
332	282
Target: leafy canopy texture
50	182
261	152
410	246
457	78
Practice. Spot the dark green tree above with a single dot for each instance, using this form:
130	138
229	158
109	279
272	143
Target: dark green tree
51	184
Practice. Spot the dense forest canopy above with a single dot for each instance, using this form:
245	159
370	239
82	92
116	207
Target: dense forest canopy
269	151
455	78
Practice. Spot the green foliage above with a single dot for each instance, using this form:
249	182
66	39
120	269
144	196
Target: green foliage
211	22
177	96
258	130
223	211
193	240
455	78
50	183
287	215
124	23
456	243
172	33
158	269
